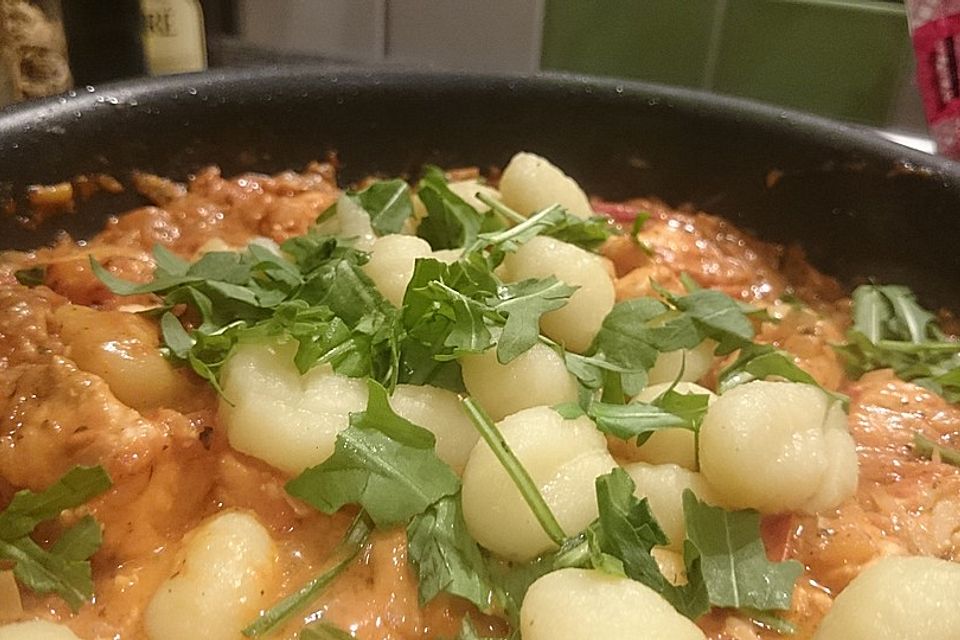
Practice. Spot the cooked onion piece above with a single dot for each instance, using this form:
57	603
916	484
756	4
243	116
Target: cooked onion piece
530	183
391	264
778	446
668	446
468	190
36	630
537	377
663	485
576	323
575	604
897	598
563	457
439	411
277	415
226	576
693	362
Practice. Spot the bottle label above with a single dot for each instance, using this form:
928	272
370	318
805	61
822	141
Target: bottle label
937	47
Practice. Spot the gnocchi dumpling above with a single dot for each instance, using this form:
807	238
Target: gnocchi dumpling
564	459
778	446
530	183
36	630
667	446
439	411
468	190
663	486
537	377
273	413
350	221
576	323
227	575
576	604
693	362
392	260
897	598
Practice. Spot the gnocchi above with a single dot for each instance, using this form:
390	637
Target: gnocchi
693	363
897	598
273	413
468	190
576	323
350	221
227	572
537	377
439	411
530	182
667	446
563	457
36	630
663	485
576	604
792	437
391	264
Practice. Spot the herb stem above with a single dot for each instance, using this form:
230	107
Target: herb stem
528	489
501	208
925	448
343	556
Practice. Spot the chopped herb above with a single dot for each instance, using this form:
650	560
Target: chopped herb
446	558
890	329
927	448
553	221
451	222
636	420
324	631
341	558
64	569
733	560
32	277
388	204
382	462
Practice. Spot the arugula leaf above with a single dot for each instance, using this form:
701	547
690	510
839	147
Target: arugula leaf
759	361
323	631
926	448
64	568
891	329
627	530
28	509
342	557
387	202
717	315
450	222
553	221
732	558
382	462
446	558
636	420
524	303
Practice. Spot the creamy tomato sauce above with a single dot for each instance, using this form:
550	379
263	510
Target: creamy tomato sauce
82	381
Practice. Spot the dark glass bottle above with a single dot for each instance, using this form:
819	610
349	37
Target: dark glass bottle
103	39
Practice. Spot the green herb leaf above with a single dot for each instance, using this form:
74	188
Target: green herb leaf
64	568
381	462
636	420
450	222
926	448
387	202
733	560
32	277
891	329
446	558
718	316
28	509
524	303
341	558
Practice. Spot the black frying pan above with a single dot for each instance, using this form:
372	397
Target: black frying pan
861	207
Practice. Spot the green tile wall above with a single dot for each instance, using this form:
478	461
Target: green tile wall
842	59
659	40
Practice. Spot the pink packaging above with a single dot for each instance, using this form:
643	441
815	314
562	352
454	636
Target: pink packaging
935	30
